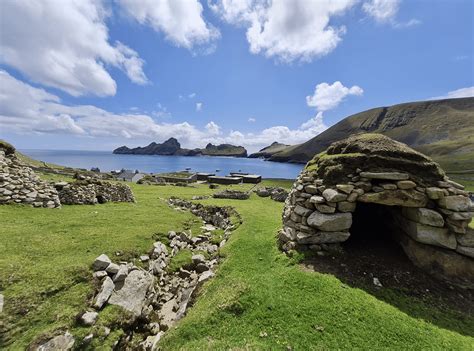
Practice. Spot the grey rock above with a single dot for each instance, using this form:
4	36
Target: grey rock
332	195
1	302
201	267
121	274
62	342
385	175
345	188
325	208
466	251
101	263
434	193
131	293
167	314
405	198
330	222
302	211
429	235
406	184
205	276
89	318
346	206
455	203
424	216
322	237
311	189
466	239
112	268
317	200
144	258
104	293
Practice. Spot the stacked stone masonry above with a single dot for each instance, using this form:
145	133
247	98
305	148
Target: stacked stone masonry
432	217
90	191
19	184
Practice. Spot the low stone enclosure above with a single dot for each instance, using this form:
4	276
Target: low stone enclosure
20	184
90	191
153	296
372	175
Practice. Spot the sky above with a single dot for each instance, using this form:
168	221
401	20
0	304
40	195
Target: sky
95	75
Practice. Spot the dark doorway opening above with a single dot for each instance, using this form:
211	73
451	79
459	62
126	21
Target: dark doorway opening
374	230
101	199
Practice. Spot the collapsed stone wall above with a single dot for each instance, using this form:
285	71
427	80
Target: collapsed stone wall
90	191
19	184
431	212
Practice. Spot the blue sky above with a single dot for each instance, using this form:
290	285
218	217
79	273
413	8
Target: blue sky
135	71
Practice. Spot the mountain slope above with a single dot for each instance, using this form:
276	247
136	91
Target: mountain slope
270	150
442	129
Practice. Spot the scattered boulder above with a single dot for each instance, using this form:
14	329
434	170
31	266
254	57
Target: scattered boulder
89	318
101	263
131	293
231	194
104	293
62	342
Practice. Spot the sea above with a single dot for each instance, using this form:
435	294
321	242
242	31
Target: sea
107	161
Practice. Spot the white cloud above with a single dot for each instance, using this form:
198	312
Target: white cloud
251	120
459	93
287	30
198	106
327	97
27	110
181	21
192	95
385	11
382	10
65	46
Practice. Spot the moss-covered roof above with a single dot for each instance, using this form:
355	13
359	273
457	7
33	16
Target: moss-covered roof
7	147
374	153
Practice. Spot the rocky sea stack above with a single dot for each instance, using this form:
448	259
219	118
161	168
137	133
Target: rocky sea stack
371	177
173	147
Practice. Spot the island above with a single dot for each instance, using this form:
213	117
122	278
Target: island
172	147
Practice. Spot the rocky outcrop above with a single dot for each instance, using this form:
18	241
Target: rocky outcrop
90	191
431	212
19	183
173	147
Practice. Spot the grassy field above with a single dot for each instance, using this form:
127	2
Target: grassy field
259	299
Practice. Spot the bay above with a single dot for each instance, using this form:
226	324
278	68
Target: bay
107	161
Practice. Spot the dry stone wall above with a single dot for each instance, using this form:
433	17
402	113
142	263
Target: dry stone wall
90	191
19	184
431	212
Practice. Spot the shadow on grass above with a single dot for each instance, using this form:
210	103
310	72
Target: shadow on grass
372	257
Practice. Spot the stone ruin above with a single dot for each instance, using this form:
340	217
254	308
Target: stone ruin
19	183
90	191
383	180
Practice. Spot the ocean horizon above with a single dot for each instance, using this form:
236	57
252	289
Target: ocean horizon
107	161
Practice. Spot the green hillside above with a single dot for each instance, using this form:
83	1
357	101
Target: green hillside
442	129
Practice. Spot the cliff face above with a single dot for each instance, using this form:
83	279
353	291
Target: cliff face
173	147
442	129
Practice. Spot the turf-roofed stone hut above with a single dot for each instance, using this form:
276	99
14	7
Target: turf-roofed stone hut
371	178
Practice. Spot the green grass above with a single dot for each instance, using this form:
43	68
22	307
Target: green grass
259	298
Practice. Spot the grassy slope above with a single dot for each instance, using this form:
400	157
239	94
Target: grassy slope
442	129
46	256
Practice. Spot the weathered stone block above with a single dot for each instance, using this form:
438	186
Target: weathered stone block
330	222
424	216
317	199
323	238
456	203
332	195
466	239
406	198
429	235
302	211
311	189
345	188
467	251
406	184
325	208
385	175
346	206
